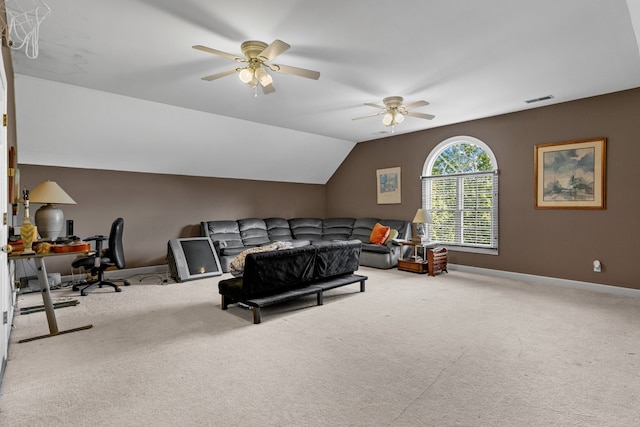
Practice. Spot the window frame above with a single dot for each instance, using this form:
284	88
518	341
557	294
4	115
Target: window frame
427	179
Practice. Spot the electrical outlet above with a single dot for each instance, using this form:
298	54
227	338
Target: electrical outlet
597	266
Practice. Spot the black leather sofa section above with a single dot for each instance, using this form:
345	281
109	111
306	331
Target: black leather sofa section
232	237
276	276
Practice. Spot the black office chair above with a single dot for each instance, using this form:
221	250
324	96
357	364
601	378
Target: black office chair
97	263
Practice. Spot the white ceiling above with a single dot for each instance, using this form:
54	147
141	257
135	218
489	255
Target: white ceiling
470	59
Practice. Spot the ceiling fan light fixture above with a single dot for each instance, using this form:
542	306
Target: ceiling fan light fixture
387	120
246	76
398	118
263	77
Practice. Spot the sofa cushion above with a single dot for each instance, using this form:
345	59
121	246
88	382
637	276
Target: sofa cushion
253	231
403	227
372	247
337	228
236	267
379	234
337	258
278	229
226	233
362	228
268	272
229	251
306	228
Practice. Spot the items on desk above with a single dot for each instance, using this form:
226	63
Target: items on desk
28	231
77	246
43	248
61	245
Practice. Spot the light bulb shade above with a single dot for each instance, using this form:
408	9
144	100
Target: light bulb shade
246	75
387	120
422	217
263	77
50	192
399	118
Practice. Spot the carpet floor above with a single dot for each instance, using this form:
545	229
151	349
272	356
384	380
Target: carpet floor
458	349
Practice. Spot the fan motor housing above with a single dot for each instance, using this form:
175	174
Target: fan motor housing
393	101
252	48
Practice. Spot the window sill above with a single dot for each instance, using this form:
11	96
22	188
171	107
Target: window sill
484	251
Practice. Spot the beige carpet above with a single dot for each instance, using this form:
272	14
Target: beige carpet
455	350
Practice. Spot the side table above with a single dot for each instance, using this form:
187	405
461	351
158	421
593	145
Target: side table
415	263
432	261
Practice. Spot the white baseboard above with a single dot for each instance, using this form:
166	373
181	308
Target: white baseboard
548	280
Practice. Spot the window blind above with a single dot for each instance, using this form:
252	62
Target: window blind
464	208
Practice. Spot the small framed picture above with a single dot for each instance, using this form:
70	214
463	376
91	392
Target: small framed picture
389	186
570	175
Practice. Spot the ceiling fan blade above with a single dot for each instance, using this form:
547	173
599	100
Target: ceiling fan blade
420	115
416	104
219	53
268	89
370	115
375	105
310	74
222	74
273	50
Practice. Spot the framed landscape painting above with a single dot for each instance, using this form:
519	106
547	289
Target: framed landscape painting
570	175
388	186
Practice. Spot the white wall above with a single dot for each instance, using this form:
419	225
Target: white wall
71	126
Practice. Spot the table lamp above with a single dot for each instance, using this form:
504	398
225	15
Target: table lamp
49	218
422	217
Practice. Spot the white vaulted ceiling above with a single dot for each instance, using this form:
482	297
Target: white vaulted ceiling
116	84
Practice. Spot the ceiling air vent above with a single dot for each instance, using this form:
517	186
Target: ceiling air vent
544	98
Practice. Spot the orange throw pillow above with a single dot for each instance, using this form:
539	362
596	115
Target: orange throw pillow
379	234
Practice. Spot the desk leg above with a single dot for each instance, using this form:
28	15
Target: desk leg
48	304
46	295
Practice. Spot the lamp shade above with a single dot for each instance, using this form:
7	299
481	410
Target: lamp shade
50	192
49	218
422	217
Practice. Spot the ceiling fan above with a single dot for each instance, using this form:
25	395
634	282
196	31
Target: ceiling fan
257	56
394	111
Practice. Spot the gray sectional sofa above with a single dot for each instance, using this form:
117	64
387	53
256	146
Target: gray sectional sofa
231	237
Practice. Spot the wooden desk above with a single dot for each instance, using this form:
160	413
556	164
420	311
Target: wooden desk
46	292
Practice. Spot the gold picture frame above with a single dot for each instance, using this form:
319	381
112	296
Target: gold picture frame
389	185
571	175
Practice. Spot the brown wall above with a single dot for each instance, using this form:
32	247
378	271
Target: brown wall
158	208
554	243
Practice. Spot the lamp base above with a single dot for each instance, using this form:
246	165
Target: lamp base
49	220
28	233
416	235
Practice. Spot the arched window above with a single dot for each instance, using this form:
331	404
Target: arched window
460	189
